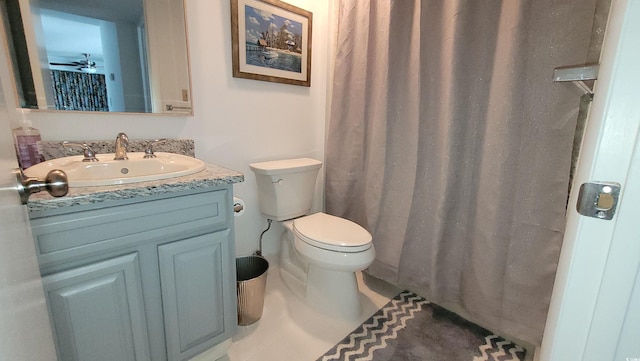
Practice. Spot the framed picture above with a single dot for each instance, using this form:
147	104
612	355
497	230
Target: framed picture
271	41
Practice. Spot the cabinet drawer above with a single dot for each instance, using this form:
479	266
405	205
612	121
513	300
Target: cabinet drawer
70	235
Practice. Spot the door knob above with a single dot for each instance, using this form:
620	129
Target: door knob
55	183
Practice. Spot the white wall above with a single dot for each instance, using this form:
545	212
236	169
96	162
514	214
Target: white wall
237	121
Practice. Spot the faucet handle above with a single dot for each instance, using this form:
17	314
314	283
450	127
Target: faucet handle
148	152
89	154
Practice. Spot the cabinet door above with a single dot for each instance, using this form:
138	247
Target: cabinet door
97	311
196	278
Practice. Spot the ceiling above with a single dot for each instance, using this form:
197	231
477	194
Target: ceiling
67	38
110	10
72	27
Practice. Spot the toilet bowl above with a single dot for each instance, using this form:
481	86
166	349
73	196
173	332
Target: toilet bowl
319	258
332	242
320	253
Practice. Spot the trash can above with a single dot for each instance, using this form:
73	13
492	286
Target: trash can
251	273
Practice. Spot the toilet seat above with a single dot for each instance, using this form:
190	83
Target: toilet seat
332	233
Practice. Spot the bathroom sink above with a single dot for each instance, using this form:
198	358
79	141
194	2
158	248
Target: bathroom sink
111	172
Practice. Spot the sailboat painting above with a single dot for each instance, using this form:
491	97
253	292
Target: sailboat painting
271	41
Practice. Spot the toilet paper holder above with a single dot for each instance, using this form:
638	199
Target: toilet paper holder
238	206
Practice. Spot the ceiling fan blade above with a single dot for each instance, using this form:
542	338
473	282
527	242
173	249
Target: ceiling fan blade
64	64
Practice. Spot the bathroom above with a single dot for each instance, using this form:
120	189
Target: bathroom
226	107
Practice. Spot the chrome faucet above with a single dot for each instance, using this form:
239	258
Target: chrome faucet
89	154
122	142
148	152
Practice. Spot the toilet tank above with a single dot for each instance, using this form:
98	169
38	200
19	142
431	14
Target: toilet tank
286	187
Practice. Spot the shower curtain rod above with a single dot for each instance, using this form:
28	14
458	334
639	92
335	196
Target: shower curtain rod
577	75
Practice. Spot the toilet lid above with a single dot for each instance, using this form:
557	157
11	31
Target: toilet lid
333	233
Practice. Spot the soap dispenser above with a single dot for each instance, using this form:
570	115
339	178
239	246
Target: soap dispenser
27	141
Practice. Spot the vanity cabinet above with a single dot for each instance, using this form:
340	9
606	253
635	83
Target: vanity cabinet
97	311
192	278
148	278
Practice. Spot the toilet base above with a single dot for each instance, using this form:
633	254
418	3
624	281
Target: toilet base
330	292
334	293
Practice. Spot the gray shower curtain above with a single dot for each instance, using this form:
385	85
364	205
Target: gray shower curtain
450	143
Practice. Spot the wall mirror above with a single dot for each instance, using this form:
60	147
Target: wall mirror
100	55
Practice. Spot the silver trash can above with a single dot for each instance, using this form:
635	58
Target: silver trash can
251	275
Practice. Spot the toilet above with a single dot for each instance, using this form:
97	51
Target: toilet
320	253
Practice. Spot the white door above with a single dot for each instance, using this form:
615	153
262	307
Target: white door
595	307
25	333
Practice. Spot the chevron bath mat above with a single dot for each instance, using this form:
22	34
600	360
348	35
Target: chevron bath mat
409	328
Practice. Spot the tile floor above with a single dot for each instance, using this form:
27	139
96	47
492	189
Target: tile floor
290	331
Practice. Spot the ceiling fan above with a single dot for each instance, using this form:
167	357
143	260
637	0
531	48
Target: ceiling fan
85	65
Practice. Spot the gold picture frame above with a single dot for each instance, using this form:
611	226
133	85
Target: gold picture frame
271	41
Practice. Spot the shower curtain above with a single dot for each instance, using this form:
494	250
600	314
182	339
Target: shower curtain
450	143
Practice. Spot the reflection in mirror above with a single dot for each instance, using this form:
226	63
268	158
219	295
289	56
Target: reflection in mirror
105	56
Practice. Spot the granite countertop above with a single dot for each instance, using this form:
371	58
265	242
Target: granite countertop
211	176
55	149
